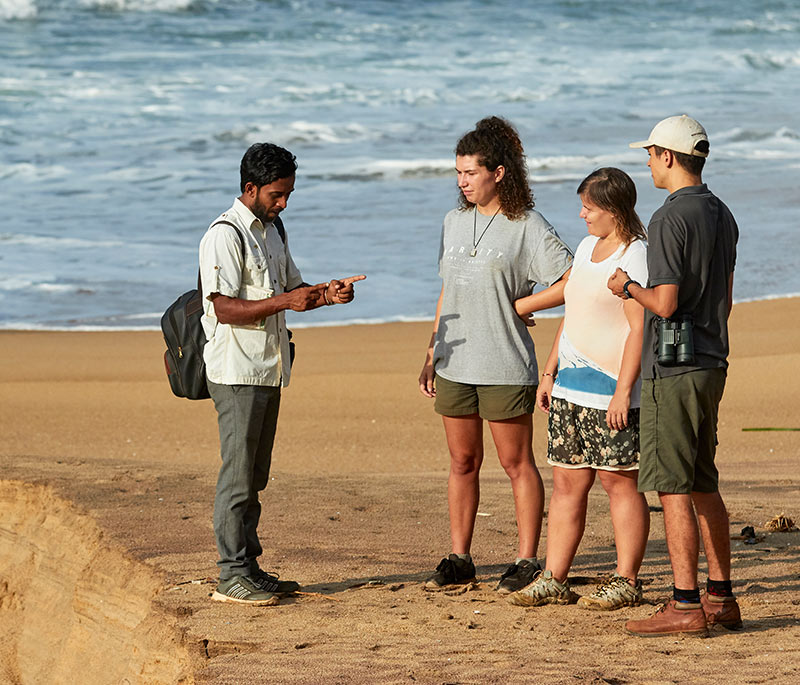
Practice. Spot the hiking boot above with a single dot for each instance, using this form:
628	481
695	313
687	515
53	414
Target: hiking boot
244	590
517	576
450	571
543	590
721	611
672	618
615	593
269	583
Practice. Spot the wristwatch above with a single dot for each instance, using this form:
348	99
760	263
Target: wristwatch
625	287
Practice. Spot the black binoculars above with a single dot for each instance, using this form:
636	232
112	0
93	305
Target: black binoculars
675	341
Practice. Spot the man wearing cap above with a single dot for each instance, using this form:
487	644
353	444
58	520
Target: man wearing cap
691	256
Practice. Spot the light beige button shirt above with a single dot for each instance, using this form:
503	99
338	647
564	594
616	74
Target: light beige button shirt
255	354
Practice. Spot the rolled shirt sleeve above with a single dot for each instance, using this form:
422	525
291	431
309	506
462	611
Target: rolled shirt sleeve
221	262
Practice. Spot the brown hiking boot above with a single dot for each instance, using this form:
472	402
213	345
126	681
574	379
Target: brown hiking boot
672	618
721	611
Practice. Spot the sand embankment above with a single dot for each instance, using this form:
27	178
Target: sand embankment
356	512
74	607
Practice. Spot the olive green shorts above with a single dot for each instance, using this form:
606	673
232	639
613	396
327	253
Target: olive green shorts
490	402
678	432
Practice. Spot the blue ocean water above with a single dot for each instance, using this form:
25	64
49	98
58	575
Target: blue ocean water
122	124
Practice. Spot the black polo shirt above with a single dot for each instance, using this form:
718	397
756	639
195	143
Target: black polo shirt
692	244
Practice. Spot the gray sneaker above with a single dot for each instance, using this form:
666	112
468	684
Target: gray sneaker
517	576
269	583
544	590
244	590
615	593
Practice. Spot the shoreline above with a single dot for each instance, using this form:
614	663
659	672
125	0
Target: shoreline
299	324
356	511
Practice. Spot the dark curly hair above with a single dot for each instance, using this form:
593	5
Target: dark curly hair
265	163
613	190
495	142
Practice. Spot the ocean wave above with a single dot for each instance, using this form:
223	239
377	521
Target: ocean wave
763	298
65	328
299	132
32	172
774	61
755	144
391	168
769	24
27	285
141	5
745	135
554	169
56	241
17	9
30	9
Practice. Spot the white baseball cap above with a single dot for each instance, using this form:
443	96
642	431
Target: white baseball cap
679	134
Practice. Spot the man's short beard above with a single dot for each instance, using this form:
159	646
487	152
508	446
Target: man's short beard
262	213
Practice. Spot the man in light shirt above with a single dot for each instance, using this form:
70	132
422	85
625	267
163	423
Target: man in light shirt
249	279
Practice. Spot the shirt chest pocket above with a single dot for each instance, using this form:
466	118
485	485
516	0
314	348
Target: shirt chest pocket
275	272
255	270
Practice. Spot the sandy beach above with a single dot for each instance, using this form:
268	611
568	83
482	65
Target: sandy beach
107	551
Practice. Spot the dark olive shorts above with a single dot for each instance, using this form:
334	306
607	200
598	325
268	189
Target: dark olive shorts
579	437
491	402
678	424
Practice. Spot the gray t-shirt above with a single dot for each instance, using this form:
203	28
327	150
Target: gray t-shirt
692	244
480	339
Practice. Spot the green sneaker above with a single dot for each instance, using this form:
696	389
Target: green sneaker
269	583
615	593
244	590
543	590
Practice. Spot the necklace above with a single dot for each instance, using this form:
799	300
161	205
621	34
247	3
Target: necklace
475	243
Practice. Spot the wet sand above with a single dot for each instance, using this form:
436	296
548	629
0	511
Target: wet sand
107	552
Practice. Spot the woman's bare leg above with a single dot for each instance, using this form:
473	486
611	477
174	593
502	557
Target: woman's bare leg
566	518
513	440
465	441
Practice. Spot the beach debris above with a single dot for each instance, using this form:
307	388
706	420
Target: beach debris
748	534
780	524
769	428
318	594
372	582
394	587
462	590
482	513
302	645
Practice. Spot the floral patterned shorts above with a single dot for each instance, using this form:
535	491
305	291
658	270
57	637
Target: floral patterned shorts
578	437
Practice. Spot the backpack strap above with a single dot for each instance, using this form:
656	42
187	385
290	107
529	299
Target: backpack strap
279	227
241	243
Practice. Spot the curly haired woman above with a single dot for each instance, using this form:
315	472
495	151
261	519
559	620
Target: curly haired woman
480	365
